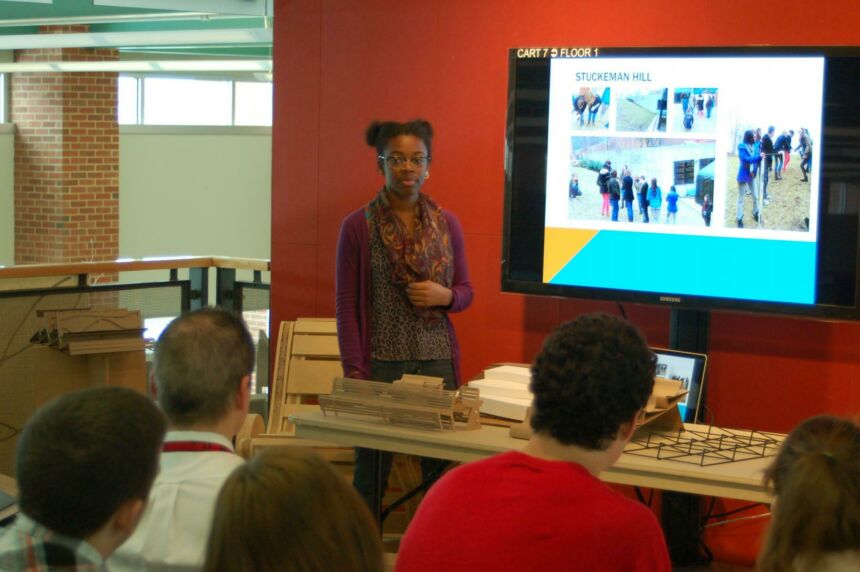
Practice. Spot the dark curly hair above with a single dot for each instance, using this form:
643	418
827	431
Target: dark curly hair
592	375
378	134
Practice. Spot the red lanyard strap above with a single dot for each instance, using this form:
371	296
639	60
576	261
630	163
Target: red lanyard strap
193	447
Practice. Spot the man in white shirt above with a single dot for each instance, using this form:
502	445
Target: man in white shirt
201	378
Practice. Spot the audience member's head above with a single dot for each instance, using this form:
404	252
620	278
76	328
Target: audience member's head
202	367
593	375
816	482
289	510
86	461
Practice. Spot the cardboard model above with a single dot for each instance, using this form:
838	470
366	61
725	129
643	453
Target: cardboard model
417	402
659	414
91	331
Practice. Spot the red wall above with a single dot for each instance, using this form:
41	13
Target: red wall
341	63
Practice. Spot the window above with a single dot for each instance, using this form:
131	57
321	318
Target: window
184	101
684	172
128	100
253	103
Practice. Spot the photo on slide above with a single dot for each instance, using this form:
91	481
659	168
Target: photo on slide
642	110
770	160
590	108
670	162
694	110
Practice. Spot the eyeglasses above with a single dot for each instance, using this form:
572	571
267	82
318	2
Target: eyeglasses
398	161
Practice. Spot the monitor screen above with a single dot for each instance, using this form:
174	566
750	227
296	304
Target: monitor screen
688	368
695	178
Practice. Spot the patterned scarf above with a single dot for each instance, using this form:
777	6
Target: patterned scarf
425	255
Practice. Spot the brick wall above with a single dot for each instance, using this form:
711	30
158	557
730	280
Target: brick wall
66	159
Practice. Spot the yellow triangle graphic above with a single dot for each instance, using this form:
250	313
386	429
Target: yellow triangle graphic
560	246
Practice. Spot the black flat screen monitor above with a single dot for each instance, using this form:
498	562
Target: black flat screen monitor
756	155
689	368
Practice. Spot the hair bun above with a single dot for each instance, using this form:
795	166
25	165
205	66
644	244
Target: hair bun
423	125
372	133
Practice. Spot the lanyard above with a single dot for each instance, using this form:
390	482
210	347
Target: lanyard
193	447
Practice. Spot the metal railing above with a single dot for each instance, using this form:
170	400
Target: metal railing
27	290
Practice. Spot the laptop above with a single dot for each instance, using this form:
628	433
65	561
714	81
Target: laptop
688	368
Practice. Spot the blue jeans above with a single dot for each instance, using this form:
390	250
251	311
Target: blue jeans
643	208
764	177
742	191
614	204
629	205
363	478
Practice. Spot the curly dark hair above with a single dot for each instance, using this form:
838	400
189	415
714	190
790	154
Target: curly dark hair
592	375
379	133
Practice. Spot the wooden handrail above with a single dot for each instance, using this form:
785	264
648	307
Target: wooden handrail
66	269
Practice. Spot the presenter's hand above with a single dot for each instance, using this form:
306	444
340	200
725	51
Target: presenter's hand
428	294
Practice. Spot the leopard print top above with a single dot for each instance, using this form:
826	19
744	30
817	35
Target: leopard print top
398	333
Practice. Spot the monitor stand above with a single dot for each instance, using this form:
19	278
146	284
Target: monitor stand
681	512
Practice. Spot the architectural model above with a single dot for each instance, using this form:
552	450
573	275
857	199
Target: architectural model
413	401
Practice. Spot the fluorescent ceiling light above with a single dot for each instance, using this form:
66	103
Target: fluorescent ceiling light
113	19
141	66
151	38
246	7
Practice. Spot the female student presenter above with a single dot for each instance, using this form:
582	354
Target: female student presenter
401	269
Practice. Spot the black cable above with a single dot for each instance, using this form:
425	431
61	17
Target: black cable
12	435
409	495
700	542
709	556
735	511
621	309
707	516
642	497
709	414
5	356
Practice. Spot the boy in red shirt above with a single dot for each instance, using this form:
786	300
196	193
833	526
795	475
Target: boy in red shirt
544	508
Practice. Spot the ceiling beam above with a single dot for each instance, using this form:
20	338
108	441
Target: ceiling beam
223	65
239	36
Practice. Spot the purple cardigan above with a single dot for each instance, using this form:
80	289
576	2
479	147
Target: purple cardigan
352	298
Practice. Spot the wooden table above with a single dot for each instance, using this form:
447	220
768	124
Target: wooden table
738	480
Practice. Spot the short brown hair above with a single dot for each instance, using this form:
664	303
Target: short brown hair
288	509
200	360
84	454
816	480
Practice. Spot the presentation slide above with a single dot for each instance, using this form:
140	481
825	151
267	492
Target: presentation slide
693	176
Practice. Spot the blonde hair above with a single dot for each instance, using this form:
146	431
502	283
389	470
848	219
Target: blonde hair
289	510
816	480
